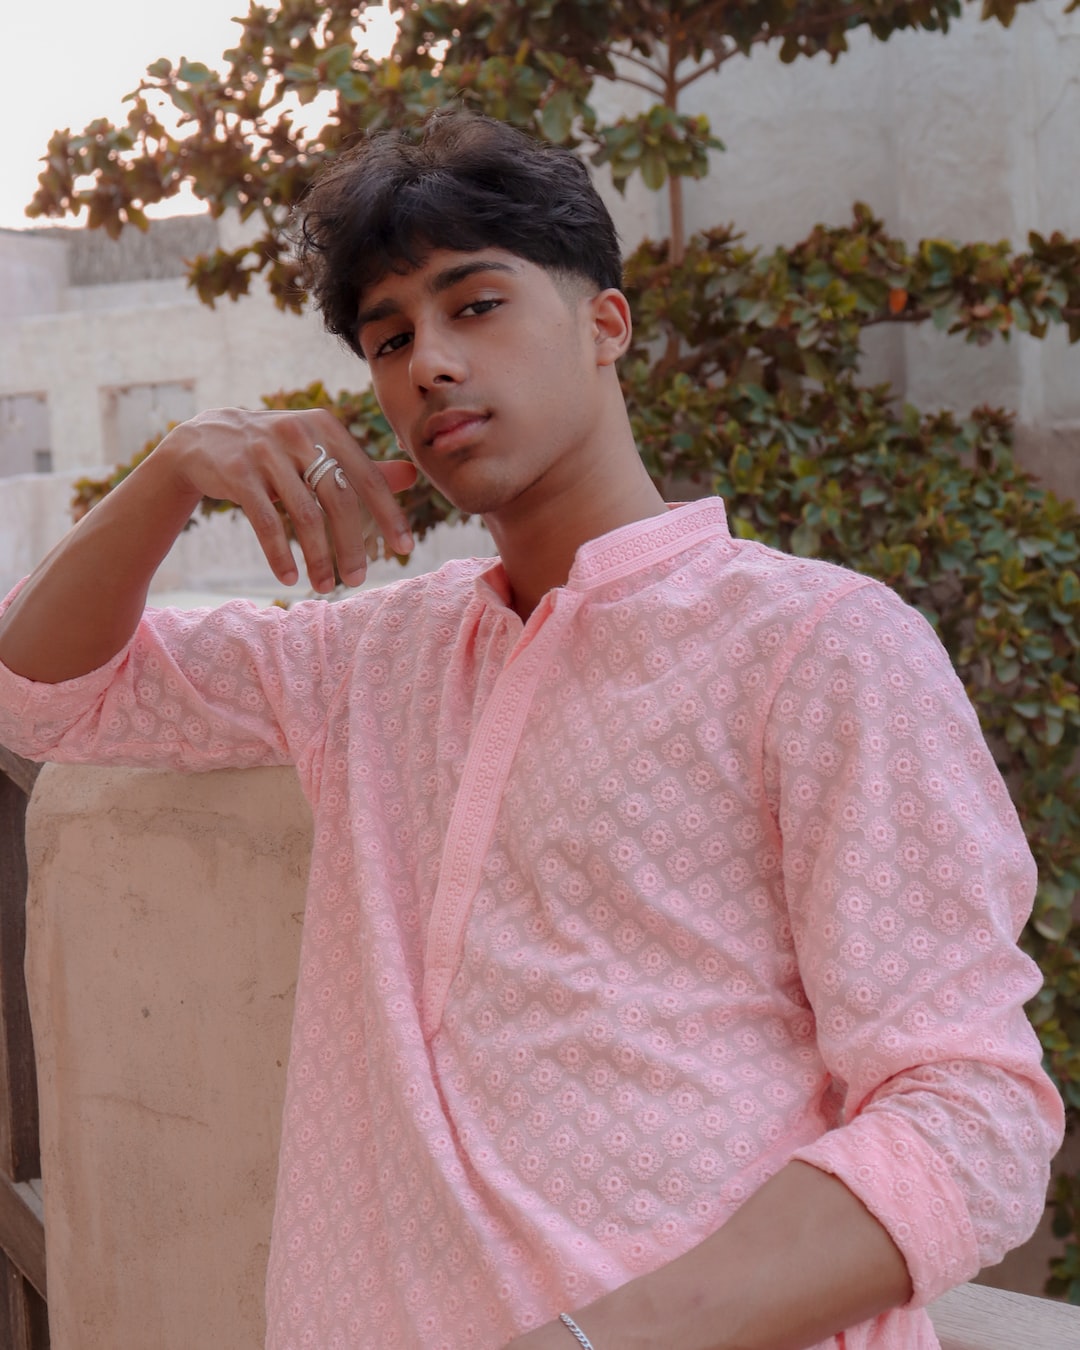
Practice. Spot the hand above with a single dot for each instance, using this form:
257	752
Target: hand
257	459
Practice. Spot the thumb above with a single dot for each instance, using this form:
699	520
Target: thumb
399	473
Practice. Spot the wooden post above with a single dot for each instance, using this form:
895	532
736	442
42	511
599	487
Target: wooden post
23	1314
19	1156
24	1319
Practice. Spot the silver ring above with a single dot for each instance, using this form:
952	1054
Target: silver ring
321	470
320	466
316	464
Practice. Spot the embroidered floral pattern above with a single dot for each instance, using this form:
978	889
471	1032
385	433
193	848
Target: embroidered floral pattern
704	868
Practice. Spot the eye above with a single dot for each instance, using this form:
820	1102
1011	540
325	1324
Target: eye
476	307
392	344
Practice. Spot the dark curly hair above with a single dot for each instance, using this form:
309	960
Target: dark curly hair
465	183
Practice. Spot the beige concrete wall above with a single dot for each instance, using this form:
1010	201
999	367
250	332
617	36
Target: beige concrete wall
163	930
33	275
163	933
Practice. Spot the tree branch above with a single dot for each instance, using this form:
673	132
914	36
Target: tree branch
808	27
634	59
677	250
921	315
706	69
905	316
641	84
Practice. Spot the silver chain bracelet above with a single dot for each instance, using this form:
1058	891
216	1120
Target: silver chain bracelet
575	1331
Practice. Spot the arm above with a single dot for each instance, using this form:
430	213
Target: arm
800	1261
82	605
907	880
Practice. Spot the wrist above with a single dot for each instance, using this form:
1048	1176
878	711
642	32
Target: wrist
688	1304
171	462
575	1331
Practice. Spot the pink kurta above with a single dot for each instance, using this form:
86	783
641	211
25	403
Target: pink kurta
704	868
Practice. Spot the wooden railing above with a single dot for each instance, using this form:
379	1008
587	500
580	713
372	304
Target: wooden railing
976	1318
23	1315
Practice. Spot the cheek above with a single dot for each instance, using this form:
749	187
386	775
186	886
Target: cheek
391	407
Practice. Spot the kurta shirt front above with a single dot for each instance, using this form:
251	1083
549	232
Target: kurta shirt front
704	868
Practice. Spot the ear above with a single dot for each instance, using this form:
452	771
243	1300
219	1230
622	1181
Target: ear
611	325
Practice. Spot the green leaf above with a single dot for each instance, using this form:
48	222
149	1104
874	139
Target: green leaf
193	72
1068	588
805	541
1006	669
557	116
337	60
654	170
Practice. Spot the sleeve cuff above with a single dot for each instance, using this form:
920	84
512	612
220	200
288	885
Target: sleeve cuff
906	1186
27	707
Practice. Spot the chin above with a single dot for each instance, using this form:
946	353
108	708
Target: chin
475	503
476	497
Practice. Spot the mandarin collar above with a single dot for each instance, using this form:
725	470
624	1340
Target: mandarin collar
627	549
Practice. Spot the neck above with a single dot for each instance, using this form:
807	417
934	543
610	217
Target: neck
538	536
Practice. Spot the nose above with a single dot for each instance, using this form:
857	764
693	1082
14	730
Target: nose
436	358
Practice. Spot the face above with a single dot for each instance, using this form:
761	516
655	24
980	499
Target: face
491	374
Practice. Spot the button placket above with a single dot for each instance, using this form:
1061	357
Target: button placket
472	822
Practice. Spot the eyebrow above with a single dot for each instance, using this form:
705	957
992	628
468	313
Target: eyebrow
441	281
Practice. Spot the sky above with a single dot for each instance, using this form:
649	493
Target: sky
74	60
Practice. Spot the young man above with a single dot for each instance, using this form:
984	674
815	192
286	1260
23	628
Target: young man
659	963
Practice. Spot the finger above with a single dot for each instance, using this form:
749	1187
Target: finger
374	483
265	520
309	526
348	523
400	474
365	510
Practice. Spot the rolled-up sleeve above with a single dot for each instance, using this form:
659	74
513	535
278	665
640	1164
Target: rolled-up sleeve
908	880
232	687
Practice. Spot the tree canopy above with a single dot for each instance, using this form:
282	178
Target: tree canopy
247	142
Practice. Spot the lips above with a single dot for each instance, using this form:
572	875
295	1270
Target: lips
452	428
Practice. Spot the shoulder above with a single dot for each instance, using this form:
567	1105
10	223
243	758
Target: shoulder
811	594
414	612
757	574
775	603
450	587
807	623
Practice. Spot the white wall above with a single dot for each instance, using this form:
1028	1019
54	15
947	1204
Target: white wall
154	333
33	278
972	135
35	512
